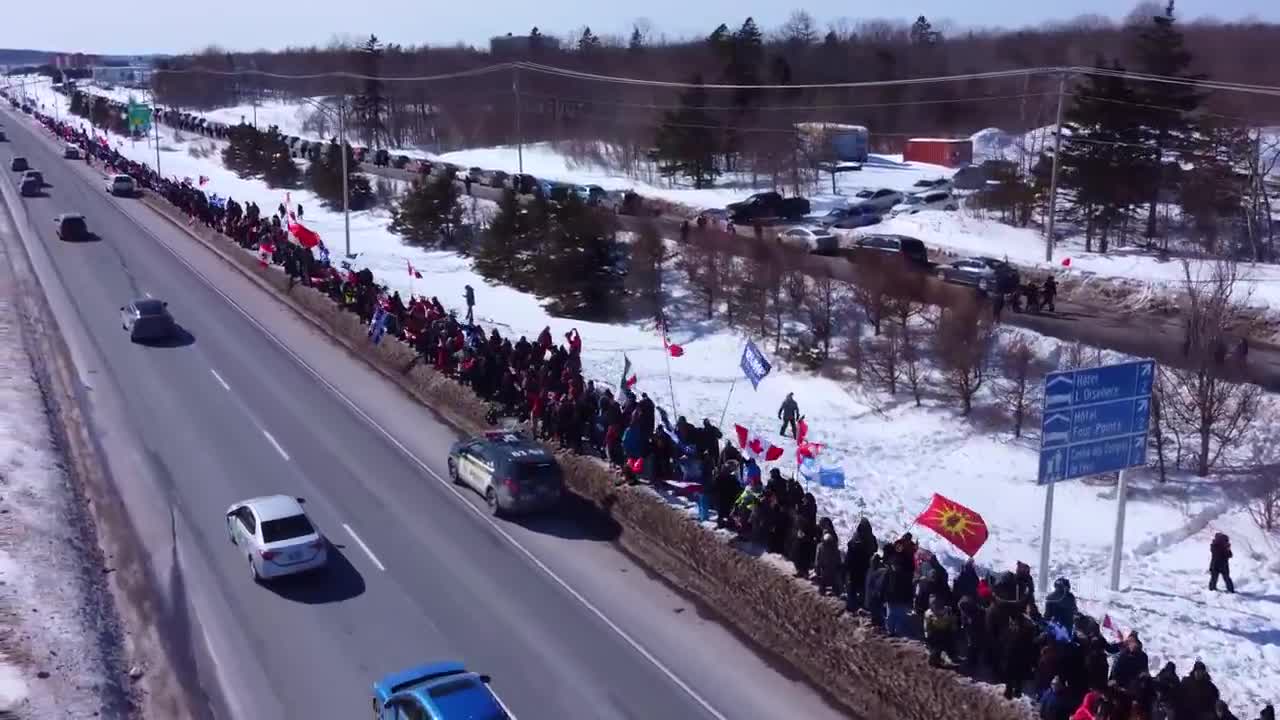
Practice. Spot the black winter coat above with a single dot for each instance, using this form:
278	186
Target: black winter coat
1128	666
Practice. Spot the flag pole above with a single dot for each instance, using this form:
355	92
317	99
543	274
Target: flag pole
671	385
726	402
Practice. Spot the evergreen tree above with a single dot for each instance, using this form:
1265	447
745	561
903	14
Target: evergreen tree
588	43
1099	167
370	107
686	139
430	214
536	40
324	175
720	39
278	167
636	46
243	153
1167	121
582	269
498	257
923	34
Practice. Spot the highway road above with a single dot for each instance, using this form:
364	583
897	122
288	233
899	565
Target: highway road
255	401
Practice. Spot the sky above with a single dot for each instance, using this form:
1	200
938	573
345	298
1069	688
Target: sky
105	28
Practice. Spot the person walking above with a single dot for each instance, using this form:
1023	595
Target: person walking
1049	292
1220	562
788	412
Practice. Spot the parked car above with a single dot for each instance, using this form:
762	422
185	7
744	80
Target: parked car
937	200
816	239
969	177
856	217
768	205
524	183
476	174
276	536
437	691
71	152
511	472
880	200
877	247
924	186
122	186
70	227
988	275
498	179
19	164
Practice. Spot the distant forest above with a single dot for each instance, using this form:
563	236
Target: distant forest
480	110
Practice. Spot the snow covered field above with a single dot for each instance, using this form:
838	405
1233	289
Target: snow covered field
53	659
896	455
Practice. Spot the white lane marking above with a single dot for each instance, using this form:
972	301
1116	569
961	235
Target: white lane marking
275	444
414	458
364	547
218	377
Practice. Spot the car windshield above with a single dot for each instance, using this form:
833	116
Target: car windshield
865	194
912	200
149	308
538	473
286	528
466	698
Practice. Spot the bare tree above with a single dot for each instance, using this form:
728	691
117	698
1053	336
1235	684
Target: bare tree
1016	390
884	358
649	256
914	371
825	296
963	342
702	268
1199	399
871	292
1264	491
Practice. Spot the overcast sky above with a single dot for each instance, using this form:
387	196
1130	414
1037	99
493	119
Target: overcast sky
174	27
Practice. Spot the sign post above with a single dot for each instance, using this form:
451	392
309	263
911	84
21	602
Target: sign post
1095	421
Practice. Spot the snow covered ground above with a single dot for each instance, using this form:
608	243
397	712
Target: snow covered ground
896	455
55	653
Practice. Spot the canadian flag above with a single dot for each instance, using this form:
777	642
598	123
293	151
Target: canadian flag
757	446
413	272
672	349
265	251
1106	623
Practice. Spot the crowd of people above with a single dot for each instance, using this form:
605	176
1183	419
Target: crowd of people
989	625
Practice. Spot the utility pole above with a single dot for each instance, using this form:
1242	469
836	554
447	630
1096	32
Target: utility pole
1053	175
346	199
515	88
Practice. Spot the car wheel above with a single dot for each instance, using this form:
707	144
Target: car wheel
491	499
253	570
982	285
942	275
453	472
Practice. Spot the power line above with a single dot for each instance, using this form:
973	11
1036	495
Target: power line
784	108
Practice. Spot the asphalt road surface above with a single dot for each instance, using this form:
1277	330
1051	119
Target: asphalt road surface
254	401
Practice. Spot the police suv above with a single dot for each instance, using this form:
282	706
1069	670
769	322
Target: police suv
513	473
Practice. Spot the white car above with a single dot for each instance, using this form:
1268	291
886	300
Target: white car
881	199
814	239
277	538
71	152
936	200
920	187
122	185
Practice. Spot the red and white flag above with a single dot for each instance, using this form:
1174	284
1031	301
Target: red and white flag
756	446
804	448
265	251
672	349
1106	623
305	236
413	273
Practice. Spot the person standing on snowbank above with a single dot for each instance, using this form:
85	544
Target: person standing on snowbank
789	412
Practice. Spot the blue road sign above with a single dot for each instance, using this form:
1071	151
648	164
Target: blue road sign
1095	420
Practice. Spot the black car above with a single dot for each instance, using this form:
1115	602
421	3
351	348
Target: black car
908	249
19	164
148	319
70	227
513	473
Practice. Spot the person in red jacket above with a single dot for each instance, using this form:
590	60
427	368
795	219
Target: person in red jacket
575	341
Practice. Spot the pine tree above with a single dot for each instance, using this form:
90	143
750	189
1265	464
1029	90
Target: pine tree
1167	121
1099	167
278	167
498	256
923	34
243	153
582	268
370	107
430	214
324	175
636	46
588	43
686	139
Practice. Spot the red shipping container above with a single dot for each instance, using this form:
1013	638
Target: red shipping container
939	151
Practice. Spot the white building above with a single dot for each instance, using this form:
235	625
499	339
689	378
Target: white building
130	75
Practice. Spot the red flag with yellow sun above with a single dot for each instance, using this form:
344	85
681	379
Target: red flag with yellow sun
961	526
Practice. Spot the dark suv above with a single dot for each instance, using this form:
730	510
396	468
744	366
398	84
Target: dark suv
513	473
876	248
